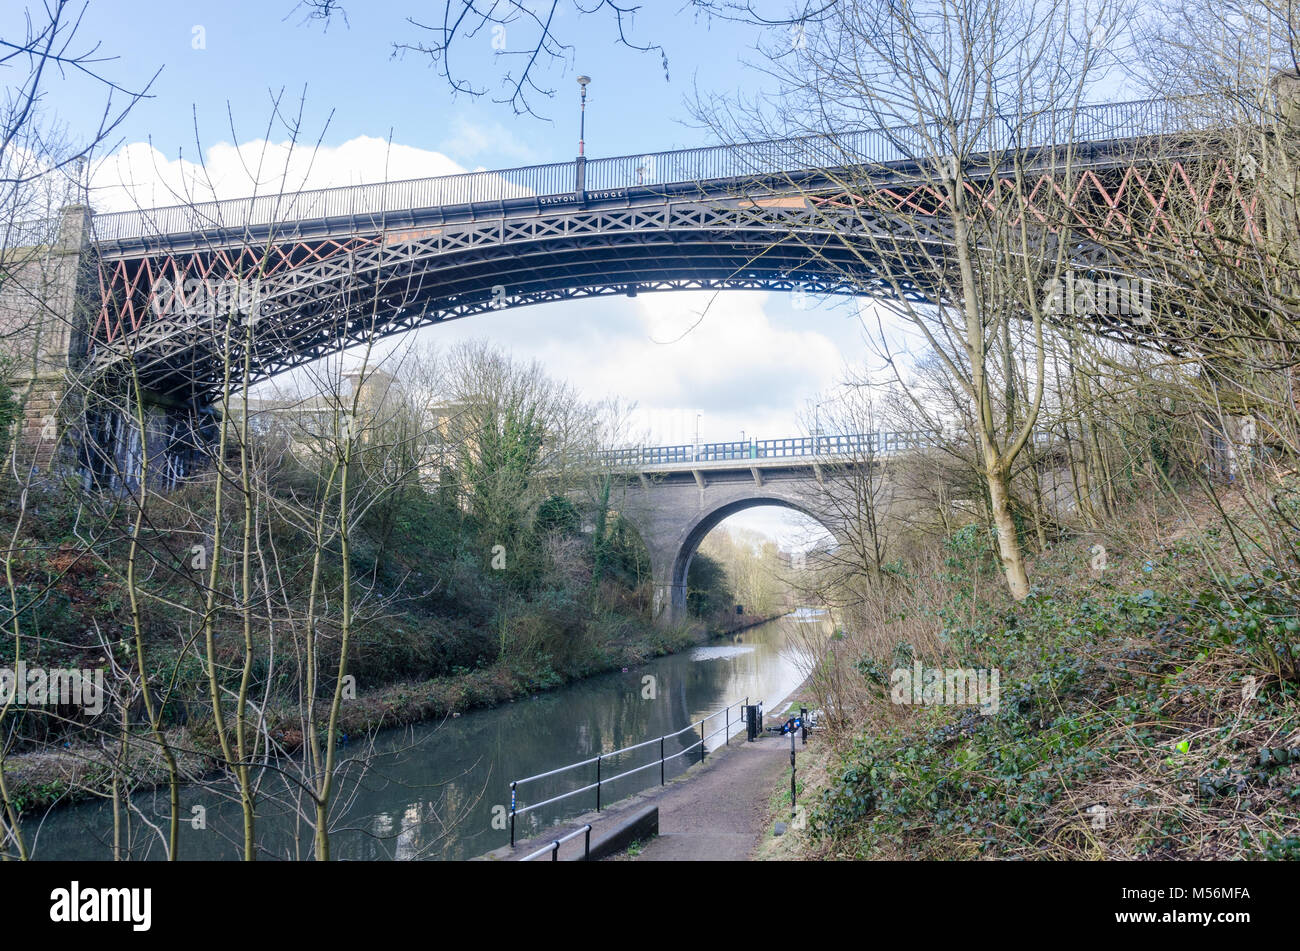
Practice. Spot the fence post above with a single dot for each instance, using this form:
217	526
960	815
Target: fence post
661	761
598	755
586	853
726	733
512	813
792	787
701	741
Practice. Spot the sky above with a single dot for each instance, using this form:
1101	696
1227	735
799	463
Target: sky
727	366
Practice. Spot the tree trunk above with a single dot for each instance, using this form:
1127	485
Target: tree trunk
1009	551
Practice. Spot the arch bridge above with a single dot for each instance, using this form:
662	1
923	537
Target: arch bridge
311	272
189	294
675	495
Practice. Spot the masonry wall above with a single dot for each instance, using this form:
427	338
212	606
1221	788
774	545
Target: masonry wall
46	295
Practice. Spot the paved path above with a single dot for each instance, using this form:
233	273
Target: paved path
721	813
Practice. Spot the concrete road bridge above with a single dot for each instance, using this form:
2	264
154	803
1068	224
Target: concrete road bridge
676	495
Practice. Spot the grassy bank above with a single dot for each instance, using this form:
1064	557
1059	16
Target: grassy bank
1146	709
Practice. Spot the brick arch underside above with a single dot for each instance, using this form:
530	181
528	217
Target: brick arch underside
708	521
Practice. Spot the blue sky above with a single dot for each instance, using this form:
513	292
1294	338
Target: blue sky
249	48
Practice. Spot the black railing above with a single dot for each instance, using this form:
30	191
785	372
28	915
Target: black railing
1103	122
859	445
516	809
554	847
856	444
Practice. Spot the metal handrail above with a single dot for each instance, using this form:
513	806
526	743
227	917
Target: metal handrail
538	805
1095	123
554	847
517	810
787	447
791	447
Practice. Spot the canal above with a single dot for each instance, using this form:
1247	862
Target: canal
441	790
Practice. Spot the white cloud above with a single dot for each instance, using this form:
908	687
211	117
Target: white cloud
140	176
724	354
735	364
790	529
485	142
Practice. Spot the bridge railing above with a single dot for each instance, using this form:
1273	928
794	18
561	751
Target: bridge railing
1105	121
36	231
855	444
602	759
824	445
1101	122
348	201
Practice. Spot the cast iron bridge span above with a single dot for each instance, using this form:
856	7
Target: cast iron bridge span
311	272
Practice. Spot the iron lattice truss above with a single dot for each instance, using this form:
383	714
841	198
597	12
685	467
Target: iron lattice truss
885	237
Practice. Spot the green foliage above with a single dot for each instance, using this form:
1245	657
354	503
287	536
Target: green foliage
707	589
497	462
626	558
960	783
1258	613
557	515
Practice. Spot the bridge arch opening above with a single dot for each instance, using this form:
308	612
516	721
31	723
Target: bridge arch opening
807	526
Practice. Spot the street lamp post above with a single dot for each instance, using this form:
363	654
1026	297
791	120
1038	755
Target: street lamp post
581	164
817	425
582	113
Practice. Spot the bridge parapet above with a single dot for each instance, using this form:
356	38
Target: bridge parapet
792	447
557	183
822	448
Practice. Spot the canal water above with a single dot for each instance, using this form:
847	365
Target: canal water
442	790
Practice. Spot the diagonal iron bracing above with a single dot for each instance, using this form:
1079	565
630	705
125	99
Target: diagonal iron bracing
302	275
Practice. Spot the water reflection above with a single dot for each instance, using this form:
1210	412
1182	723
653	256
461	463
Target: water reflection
433	791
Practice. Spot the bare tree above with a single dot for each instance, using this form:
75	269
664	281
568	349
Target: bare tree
40	169
975	104
532	38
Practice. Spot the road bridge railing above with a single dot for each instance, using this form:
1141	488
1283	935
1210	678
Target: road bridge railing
793	447
550	183
600	761
825	446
